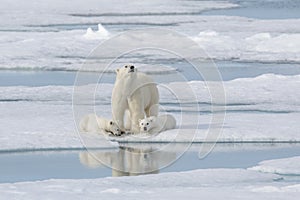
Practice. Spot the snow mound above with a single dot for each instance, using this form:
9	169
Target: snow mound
285	166
264	46
284	43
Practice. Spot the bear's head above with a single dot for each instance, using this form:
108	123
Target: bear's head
146	124
126	71
113	128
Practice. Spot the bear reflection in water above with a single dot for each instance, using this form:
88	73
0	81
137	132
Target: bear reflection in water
128	161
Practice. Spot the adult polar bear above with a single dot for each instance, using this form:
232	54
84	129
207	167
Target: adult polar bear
136	92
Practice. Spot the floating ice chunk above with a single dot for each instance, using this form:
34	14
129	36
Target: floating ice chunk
271	99
102	30
100	34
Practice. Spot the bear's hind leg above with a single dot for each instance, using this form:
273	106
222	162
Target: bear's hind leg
152	110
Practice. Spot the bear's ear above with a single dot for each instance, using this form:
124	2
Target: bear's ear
117	70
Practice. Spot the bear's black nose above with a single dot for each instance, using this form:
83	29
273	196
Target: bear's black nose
145	128
131	67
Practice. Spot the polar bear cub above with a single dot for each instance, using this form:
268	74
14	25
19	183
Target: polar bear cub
157	124
93	123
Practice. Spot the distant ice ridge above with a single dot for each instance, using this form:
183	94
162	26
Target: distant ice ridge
234	184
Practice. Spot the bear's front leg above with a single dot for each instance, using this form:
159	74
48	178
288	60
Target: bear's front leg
136	112
135	121
118	112
127	120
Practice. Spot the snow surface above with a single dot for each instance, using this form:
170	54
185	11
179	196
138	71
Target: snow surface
270	115
204	183
61	12
67	50
284	166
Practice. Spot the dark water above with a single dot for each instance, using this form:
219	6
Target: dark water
273	9
229	70
41	165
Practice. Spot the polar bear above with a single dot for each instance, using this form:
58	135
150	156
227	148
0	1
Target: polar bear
136	92
157	124
93	123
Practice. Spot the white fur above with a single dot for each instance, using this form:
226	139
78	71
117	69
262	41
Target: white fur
136	92
157	124
93	123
